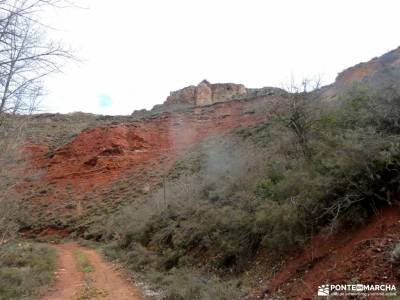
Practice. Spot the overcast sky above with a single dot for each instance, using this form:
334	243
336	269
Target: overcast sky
134	52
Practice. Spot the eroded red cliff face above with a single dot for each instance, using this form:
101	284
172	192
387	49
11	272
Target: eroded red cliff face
99	156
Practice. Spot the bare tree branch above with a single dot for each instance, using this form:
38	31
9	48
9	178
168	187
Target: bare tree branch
26	55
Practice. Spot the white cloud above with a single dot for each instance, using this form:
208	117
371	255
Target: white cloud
138	51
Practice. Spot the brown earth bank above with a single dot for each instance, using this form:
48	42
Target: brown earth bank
360	255
70	283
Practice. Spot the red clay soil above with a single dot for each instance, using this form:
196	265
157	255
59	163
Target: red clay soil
106	278
70	282
351	256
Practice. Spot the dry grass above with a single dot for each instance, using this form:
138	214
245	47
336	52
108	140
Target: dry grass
89	291
83	262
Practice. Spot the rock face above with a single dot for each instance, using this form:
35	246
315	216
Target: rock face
206	93
379	71
227	91
184	96
378	74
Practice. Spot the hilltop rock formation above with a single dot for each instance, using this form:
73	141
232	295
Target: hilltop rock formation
206	93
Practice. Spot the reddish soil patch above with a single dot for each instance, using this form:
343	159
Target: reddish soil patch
357	256
106	278
37	154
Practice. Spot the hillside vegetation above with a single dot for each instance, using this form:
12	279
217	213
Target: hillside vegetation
312	166
26	270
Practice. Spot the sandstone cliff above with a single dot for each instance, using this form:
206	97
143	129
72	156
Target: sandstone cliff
206	93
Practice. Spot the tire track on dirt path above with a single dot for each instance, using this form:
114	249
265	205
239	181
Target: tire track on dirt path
68	278
70	281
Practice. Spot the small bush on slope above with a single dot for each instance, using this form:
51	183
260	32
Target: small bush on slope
25	270
183	284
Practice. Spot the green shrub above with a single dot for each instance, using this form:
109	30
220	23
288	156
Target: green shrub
25	270
184	284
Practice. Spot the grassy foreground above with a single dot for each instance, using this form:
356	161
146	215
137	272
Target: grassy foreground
26	270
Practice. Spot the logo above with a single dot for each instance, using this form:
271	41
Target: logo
323	290
357	289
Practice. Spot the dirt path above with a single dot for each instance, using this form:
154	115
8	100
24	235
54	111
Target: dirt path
68	278
103	282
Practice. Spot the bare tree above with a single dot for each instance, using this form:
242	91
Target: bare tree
297	113
26	55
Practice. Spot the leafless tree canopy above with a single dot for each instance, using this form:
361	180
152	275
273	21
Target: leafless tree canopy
26	55
297	114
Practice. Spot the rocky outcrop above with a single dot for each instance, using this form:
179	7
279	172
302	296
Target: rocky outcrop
378	71
206	93
379	74
186	95
222	92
